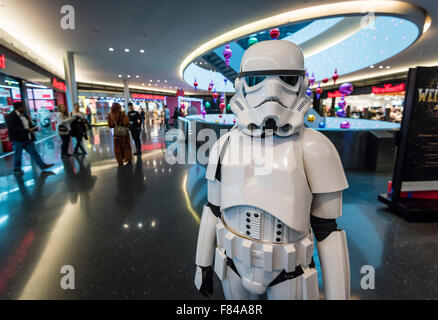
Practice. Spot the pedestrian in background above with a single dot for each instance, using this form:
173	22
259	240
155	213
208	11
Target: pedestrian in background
22	134
78	129
135	127
143	118
175	117
118	120
166	117
64	129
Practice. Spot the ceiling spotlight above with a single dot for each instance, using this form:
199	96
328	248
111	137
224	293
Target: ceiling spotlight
141	51
165	81
158	81
387	67
149	84
372	67
156	84
380	67
126	50
137	76
142	84
120	75
150	80
129	76
111	49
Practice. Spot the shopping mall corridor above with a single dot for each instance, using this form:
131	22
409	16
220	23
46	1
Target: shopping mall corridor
130	232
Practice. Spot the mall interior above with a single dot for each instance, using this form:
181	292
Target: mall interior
131	231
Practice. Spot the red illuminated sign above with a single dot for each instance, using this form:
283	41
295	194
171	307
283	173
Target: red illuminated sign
147	97
59	85
388	88
2	61
335	94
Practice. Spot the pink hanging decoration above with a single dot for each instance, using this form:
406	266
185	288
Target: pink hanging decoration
335	76
312	79
227	55
325	80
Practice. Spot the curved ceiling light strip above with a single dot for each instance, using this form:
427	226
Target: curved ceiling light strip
401	9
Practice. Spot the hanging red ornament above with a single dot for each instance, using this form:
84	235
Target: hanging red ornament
325	80
215	95
222	107
318	91
335	76
274	33
195	84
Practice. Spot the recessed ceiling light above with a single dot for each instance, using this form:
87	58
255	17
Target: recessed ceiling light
156	84
372	67
142	84
126	50
120	75
387	67
158	81
111	49
141	51
137	76
150	80
380	67
150	84
165	81
129	76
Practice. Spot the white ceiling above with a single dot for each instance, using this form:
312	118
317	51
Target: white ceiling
167	30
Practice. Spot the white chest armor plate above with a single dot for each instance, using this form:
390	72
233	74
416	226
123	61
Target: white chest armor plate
268	180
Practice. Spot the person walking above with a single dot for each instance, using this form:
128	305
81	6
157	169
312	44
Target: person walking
22	134
175	117
64	129
135	127
143	118
166	117
78	129
118	120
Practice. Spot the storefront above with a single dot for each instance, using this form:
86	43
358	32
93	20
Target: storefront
153	104
378	102
21	80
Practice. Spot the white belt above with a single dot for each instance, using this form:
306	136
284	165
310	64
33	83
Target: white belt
269	256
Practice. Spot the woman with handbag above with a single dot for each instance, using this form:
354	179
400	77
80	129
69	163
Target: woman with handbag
119	120
64	128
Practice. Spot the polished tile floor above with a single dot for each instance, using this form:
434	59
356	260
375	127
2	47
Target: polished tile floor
130	232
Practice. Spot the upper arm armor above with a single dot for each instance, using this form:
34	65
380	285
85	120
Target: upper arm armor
322	164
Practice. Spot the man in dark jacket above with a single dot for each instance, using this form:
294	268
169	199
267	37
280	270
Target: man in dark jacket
135	127
22	134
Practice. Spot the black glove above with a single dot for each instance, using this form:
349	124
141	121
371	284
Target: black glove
207	281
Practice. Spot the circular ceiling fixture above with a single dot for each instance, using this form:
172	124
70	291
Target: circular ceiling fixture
341	35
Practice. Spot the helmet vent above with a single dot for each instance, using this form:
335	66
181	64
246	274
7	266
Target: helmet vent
301	106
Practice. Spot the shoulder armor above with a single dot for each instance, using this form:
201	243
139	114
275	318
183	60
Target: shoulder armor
322	164
215	154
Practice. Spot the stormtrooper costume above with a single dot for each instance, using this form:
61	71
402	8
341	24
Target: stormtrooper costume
256	231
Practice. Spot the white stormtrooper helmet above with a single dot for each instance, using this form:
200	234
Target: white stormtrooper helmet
271	89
